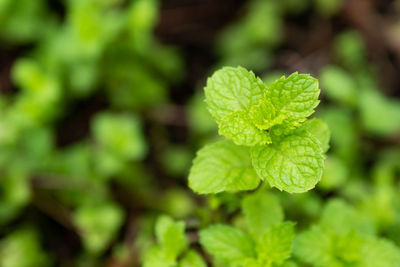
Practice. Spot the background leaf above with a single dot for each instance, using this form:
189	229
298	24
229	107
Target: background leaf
226	242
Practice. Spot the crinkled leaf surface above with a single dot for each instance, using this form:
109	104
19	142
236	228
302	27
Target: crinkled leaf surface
264	115
293	98
222	166
239	128
231	89
293	164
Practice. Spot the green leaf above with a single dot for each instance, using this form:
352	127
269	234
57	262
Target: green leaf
22	248
231	89
376	110
328	8
293	164
293	99
347	247
261	211
344	132
350	50
142	15
344	217
192	259
275	246
336	173
318	129
379	253
264	115
227	243
120	135
239	128
250	262
339	85
199	119
99	223
290	264
156	257
171	237
315	247
222	166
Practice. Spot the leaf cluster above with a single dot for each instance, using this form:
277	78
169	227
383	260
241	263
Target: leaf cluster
269	137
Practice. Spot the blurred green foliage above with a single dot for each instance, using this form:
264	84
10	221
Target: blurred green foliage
95	148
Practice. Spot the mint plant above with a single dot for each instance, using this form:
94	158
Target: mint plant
265	241
268	134
172	247
346	240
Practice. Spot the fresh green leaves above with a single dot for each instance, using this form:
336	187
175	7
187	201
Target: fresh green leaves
286	150
244	107
238	127
293	164
265	241
374	107
172	244
314	247
339	85
119	140
192	259
120	135
171	236
98	222
227	243
341	239
318	129
293	98
261	211
22	248
232	89
222	166
276	243
377	252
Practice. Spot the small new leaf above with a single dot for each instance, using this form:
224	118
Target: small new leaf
294	163
264	115
239	128
222	166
